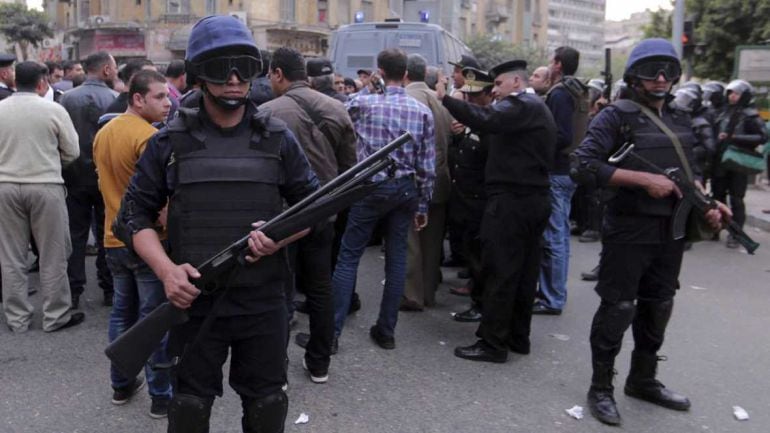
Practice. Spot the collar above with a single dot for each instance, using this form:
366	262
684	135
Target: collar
297	85
417	85
95	82
4	86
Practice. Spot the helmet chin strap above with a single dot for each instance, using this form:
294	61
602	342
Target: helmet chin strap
646	94
229	104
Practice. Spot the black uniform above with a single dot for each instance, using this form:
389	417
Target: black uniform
467	200
640	261
218	182
748	132
522	140
5	92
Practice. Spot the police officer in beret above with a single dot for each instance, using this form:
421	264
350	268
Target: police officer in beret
7	75
467	198
220	168
640	260
522	140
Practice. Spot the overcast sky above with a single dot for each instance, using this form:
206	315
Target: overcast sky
622	9
616	9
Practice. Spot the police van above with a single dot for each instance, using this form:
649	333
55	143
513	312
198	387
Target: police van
355	46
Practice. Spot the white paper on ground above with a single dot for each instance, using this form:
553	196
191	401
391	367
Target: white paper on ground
303	419
575	412
740	413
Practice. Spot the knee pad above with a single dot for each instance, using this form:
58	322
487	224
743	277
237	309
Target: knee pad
615	318
189	414
266	414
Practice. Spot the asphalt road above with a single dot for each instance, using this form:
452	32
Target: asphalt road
718	345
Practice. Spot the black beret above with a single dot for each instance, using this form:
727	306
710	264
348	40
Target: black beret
6	59
511	65
466	60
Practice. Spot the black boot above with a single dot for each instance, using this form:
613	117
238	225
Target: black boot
609	324
601	401
641	383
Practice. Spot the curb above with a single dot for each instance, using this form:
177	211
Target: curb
758	222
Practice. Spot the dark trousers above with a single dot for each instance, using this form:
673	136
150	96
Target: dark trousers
512	246
256	343
733	184
587	208
84	205
472	254
313	276
637	284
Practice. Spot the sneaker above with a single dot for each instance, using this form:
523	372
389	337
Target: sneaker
316	376
732	242
382	340
122	395
159	407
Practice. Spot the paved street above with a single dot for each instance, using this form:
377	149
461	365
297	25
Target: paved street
717	345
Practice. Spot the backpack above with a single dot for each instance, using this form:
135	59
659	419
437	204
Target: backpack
581	106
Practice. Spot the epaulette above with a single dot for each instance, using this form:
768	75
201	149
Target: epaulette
626	106
264	122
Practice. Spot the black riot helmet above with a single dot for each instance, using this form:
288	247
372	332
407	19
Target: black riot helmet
714	94
687	99
744	88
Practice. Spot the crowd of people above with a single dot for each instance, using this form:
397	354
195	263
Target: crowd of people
169	168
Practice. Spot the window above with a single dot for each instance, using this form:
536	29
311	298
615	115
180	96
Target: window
211	7
174	6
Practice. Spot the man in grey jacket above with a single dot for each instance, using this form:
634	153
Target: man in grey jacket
324	129
85	104
37	138
423	263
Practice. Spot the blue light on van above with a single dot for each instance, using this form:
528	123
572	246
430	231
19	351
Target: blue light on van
359	17
424	16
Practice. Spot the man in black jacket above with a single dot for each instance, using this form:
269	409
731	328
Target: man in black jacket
521	147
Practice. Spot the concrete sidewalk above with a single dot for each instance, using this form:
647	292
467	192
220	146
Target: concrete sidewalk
758	200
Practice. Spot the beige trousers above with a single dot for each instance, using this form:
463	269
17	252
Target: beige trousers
40	209
423	259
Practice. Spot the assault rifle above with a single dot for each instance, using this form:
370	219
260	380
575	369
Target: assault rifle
692	197
607	73
131	350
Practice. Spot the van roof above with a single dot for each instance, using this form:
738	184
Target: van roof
388	25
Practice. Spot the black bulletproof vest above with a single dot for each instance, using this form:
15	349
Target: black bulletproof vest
652	144
224	183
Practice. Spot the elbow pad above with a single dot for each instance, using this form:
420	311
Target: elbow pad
583	171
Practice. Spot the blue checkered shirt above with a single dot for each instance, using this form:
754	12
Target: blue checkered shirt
379	119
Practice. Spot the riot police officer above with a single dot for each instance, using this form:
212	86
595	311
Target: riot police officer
742	130
640	260
221	168
688	98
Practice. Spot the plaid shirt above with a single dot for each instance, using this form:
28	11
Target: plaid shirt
379	119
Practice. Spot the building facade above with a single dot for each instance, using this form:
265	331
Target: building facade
580	25
159	29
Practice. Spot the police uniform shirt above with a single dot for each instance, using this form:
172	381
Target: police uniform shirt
522	141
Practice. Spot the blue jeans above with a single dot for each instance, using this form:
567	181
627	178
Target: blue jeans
555	263
396	201
137	292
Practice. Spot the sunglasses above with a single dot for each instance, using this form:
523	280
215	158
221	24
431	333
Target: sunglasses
219	69
652	70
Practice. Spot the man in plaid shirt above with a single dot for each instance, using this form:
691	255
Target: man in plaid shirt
378	119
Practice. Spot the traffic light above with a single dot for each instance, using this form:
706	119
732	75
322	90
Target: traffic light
688	39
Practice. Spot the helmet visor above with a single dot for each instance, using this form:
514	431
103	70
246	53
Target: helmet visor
652	70
218	69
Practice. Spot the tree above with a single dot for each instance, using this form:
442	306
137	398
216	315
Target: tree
23	26
720	26
490	52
